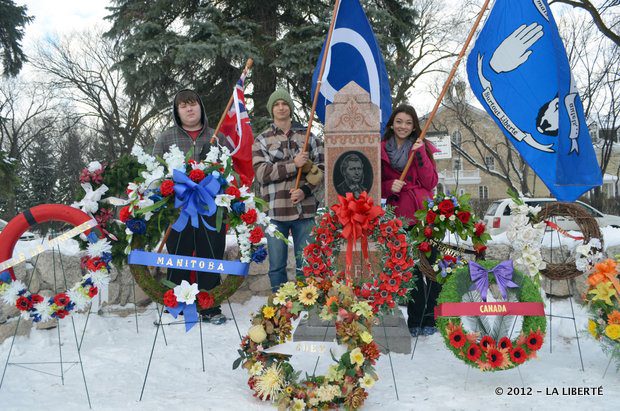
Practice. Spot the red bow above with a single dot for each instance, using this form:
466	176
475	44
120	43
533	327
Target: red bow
357	217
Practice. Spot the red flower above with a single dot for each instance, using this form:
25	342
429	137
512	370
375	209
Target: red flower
62	313
480	227
446	207
256	235
473	352
495	357
480	248
170	300
23	303
197	175
371	351
205	300
534	340
61	300
124	214
428	232
457	338
518	355
103	216
36	299
93	291
449	259
504	343
430	217
95	264
233	191
315	267
486	343
398	241
167	188
424	246
250	216
464	216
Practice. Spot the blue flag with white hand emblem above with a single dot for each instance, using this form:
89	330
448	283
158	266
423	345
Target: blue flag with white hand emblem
354	55
519	71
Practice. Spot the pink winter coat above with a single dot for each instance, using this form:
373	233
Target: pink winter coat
420	181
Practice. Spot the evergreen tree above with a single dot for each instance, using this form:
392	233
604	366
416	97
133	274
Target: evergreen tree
38	175
13	19
202	44
68	168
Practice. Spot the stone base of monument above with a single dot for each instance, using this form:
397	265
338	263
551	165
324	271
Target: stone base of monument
312	328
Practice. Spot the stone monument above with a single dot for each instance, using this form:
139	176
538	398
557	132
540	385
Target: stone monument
353	164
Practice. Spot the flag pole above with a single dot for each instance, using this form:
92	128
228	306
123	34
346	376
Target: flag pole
446	85
318	85
248	66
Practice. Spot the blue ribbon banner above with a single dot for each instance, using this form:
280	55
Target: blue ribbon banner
190	314
194	199
207	265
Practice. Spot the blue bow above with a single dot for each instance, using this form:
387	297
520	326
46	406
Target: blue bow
190	314
194	199
503	276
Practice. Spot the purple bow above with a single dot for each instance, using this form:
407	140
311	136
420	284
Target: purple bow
503	276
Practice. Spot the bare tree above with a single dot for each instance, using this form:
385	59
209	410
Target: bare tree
82	66
605	15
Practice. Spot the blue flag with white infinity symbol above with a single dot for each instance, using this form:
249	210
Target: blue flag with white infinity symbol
519	71
354	55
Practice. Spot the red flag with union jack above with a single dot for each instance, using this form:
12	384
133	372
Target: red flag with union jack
237	129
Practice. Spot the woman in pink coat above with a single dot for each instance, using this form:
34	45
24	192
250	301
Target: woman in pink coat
399	142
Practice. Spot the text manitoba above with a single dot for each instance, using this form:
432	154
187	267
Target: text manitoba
189	263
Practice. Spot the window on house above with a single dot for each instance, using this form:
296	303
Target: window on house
489	161
483	192
461	191
456	138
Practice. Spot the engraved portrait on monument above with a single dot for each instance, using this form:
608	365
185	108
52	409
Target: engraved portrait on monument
353	173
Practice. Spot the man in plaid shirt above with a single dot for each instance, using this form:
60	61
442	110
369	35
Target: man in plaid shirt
277	157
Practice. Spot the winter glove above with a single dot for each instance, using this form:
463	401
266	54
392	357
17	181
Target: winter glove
314	176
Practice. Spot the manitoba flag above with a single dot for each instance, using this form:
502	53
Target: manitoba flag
237	129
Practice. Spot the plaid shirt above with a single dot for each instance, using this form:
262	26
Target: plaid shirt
273	153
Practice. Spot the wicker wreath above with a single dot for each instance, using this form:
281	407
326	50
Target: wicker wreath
588	227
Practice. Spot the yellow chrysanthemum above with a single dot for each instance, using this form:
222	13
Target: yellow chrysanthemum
269	312
366	337
270	383
356	356
308	295
334	374
257	368
288	289
592	328
367	381
603	292
613	331
298	405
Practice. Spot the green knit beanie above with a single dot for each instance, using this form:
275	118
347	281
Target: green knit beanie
279	94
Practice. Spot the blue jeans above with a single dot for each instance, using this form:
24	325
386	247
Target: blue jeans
278	249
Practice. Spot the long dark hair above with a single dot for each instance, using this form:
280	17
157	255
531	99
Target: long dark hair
415	133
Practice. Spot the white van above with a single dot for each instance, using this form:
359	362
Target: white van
497	217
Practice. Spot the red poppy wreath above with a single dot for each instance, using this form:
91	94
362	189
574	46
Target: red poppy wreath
344	225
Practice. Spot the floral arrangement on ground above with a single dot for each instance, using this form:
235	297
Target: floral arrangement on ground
343	224
492	348
41	309
272	378
603	300
442	214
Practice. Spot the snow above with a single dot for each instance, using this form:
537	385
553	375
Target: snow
115	359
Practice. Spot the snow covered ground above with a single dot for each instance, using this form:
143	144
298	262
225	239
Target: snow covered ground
115	359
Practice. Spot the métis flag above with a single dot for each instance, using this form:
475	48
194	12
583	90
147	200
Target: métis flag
237	129
519	71
354	55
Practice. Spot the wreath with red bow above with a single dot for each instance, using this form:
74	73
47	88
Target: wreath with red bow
347	222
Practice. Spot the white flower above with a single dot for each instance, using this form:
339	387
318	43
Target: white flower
152	178
298	404
44	310
213	155
324	393
520	220
367	381
12	292
186	293
99	278
175	159
224	200
94	166
79	298
97	249
90	202
257	368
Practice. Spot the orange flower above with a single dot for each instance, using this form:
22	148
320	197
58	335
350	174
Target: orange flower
330	301
614	317
604	271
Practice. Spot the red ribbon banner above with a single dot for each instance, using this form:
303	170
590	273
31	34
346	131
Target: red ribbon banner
484	309
356	217
560	230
